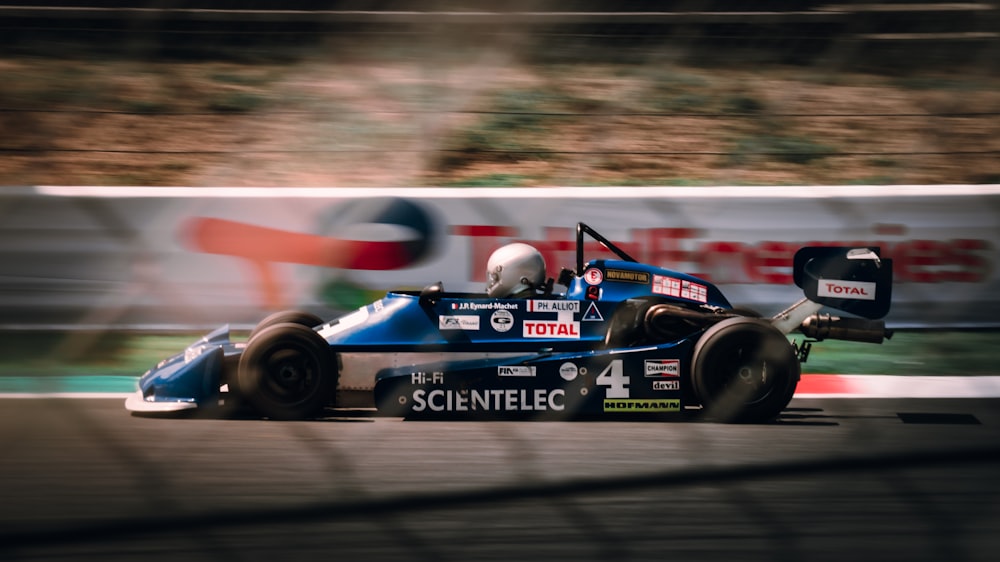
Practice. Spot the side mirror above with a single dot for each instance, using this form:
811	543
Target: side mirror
565	277
431	294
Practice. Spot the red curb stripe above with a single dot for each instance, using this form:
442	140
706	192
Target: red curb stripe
825	384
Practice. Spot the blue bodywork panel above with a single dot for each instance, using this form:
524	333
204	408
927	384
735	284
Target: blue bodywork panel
574	321
189	379
564	385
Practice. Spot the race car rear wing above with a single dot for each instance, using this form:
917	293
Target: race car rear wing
855	280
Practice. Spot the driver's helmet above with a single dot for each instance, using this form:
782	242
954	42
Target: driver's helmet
514	268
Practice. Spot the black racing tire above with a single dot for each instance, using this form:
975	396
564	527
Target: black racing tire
744	371
306	319
309	320
287	372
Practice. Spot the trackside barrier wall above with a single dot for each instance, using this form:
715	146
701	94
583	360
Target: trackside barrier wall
198	257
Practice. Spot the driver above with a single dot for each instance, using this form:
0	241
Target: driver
515	271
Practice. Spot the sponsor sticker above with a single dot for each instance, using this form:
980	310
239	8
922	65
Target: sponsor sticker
627	276
638	405
435	377
663	367
593	276
551	329
496	305
839	289
553	306
670	384
489	400
663	285
502	320
568	371
593	314
516	371
458	323
563	327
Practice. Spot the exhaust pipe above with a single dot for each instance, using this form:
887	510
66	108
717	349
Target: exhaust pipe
824	326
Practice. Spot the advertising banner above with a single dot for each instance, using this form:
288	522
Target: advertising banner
198	257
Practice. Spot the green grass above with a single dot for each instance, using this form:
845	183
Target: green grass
929	83
237	102
787	149
516	122
87	353
131	354
685	103
743	104
147	107
491	180
909	353
251	78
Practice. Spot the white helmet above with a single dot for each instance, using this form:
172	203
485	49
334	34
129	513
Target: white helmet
514	268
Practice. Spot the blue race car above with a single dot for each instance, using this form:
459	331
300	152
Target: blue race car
625	338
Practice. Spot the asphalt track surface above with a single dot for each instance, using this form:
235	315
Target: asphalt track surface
833	479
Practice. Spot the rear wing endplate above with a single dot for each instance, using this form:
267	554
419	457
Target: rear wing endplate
851	279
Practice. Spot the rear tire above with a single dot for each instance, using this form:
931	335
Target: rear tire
744	371
287	372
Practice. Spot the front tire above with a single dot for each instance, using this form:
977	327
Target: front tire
287	372
230	375
744	371
306	319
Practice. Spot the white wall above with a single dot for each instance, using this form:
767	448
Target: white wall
86	256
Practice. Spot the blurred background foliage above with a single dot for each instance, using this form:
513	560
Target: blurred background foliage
405	93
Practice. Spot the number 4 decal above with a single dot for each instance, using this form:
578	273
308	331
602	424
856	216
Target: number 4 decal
615	379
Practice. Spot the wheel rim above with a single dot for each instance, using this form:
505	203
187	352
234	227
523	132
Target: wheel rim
742	372
291	374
